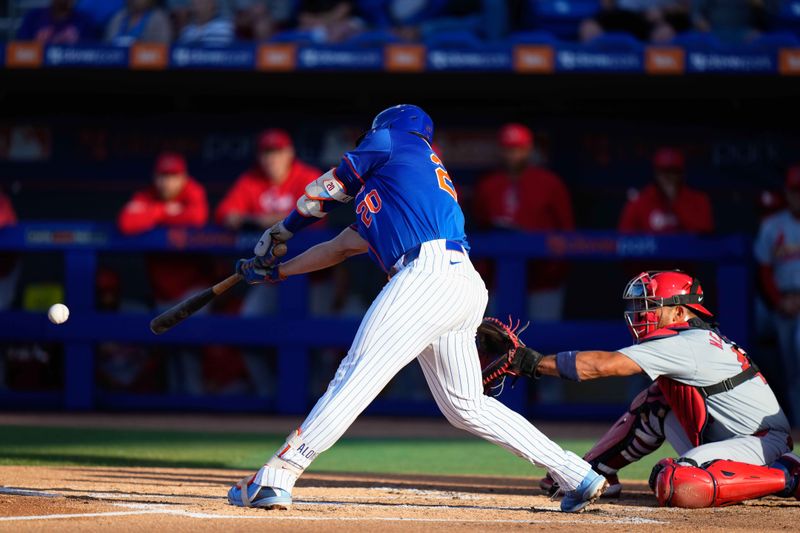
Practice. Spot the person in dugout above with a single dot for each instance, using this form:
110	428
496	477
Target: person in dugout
708	400
173	199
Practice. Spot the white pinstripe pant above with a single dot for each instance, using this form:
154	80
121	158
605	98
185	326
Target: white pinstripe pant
428	311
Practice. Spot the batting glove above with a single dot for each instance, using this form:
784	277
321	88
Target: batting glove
256	271
277	233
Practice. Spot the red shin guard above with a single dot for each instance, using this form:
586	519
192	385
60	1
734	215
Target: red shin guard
718	484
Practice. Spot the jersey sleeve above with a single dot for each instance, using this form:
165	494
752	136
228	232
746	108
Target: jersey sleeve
762	249
628	222
142	213
671	357
237	200
357	165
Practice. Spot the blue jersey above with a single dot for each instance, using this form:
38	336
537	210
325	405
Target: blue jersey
403	194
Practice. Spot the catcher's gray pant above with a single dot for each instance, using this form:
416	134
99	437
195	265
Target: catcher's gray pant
428	311
747	449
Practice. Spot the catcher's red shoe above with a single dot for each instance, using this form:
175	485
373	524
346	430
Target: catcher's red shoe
614	490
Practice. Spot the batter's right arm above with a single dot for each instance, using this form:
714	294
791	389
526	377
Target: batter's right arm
347	244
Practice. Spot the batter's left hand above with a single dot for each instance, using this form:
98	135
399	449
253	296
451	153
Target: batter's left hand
256	271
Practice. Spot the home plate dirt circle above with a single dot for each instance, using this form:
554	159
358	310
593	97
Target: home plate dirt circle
144	499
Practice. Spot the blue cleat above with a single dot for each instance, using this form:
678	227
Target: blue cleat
260	496
592	486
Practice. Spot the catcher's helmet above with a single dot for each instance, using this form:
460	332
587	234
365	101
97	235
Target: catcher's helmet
650	290
405	117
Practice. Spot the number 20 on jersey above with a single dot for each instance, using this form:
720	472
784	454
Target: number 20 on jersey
371	203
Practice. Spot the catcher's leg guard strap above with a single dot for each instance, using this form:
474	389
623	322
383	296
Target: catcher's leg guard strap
717	484
637	433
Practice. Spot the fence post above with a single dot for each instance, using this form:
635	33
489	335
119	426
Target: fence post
293	361
81	269
511	290
733	301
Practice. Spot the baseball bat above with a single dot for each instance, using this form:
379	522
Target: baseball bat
183	310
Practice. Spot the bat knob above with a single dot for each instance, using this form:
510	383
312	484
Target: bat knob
280	249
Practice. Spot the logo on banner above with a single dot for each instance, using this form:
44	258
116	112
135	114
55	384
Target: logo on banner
664	60
24	55
277	57
404	58
148	56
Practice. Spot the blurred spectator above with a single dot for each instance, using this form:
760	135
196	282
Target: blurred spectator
121	366
667	205
777	252
734	20
423	18
524	197
207	26
258	20
60	23
100	11
140	21
9	262
260	197
329	21
648	20
267	192
174	199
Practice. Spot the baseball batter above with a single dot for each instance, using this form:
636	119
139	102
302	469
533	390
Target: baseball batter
709	401
409	222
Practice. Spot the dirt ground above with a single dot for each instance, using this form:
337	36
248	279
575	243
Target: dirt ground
147	499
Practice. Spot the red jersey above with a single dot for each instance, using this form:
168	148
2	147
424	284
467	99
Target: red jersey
652	212
7	215
172	276
254	193
536	201
8	261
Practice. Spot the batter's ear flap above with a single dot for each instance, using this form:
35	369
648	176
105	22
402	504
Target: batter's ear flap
361	138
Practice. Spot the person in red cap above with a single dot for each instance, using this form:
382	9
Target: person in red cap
668	205
9	261
523	197
777	252
173	199
266	193
262	196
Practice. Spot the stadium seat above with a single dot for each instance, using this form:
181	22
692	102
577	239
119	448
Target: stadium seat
373	38
454	39
293	36
615	41
788	17
532	37
773	41
561	17
697	40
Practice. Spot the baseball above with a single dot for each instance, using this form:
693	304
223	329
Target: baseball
58	313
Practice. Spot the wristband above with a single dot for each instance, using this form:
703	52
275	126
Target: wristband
566	364
295	221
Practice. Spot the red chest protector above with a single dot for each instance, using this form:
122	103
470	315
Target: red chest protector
689	402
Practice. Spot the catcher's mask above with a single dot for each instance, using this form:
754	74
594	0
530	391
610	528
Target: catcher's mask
652	290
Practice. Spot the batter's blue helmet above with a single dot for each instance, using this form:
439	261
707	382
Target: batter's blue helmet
405	117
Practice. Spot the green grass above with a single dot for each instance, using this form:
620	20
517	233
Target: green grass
22	445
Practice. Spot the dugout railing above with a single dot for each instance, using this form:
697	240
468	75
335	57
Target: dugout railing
294	333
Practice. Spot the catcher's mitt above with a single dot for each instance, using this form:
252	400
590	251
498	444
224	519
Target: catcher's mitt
502	354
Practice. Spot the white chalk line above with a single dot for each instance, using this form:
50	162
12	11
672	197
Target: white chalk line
26	492
149	508
154	509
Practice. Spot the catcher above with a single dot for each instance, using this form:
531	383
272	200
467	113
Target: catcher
708	400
